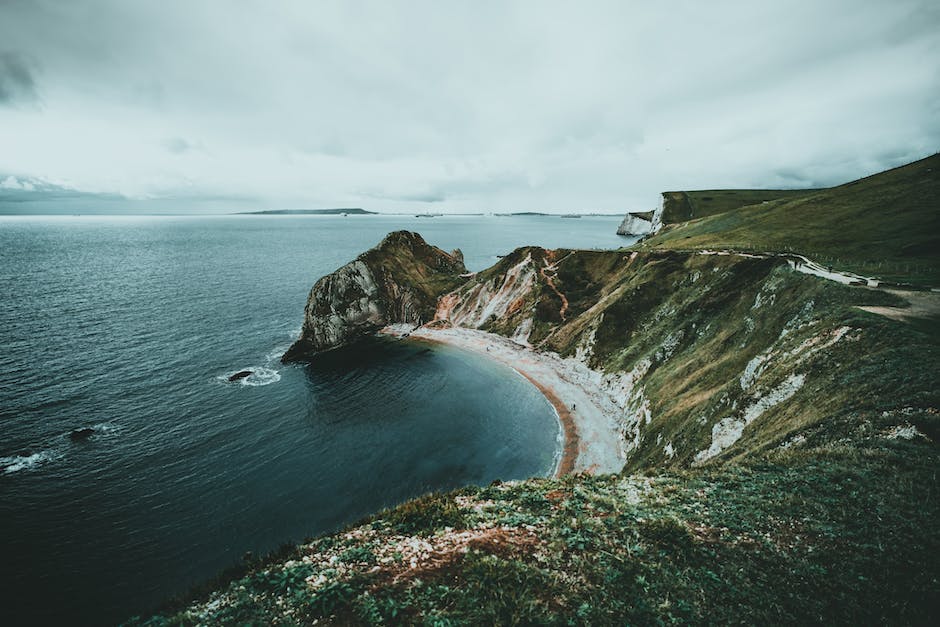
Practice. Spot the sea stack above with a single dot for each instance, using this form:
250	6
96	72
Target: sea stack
398	281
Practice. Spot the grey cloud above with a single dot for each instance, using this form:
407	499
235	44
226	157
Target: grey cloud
178	145
428	198
506	105
16	79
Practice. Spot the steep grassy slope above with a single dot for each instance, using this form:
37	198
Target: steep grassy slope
886	225
684	206
842	535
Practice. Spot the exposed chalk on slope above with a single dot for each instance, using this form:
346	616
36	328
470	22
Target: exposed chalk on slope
729	430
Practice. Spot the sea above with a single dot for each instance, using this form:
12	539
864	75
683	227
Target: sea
131	326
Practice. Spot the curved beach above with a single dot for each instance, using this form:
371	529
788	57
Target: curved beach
589	417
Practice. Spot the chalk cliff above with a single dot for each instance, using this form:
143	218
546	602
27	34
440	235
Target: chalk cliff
643	222
635	224
397	281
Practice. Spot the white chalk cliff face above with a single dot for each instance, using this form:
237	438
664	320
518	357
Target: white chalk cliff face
492	300
635	225
642	222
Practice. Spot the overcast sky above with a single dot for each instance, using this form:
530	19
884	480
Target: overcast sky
459	106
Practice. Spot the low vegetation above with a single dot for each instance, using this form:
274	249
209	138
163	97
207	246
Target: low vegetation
886	225
831	534
684	206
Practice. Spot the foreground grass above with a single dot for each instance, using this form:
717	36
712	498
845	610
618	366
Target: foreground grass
829	534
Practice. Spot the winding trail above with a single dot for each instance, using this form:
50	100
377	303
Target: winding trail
550	281
922	304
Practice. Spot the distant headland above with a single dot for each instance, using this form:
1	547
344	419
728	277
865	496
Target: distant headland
346	211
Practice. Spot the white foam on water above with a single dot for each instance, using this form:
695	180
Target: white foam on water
274	357
260	376
17	463
266	374
106	429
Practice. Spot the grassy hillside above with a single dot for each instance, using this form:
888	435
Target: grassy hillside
684	206
834	535
886	225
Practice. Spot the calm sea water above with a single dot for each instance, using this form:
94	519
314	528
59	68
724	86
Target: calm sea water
130	326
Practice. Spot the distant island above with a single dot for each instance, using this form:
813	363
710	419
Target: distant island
522	213
348	211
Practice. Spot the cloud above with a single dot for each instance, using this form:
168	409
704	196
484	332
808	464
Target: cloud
177	145
12	183
509	105
17	84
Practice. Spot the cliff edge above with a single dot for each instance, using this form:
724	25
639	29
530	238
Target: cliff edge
397	281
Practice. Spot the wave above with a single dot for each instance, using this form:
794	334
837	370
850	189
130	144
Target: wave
266	374
259	376
101	430
18	463
274	356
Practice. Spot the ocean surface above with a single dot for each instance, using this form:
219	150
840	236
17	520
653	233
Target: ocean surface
131	326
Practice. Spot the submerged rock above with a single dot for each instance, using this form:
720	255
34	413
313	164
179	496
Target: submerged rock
81	434
399	280
241	374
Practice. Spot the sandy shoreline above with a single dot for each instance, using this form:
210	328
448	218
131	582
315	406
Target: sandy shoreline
589	419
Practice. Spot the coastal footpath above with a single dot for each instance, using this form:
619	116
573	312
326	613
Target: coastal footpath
753	428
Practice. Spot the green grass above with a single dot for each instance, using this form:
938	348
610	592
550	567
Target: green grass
886	225
684	206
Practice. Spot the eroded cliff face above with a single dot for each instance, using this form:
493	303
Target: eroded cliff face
635	225
643	222
709	357
399	280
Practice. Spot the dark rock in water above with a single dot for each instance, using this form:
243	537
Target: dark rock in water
241	374
81	434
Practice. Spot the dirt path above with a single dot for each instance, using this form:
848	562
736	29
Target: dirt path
550	281
922	305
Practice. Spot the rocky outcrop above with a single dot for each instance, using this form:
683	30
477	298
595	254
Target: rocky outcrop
635	224
398	281
81	434
643	222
